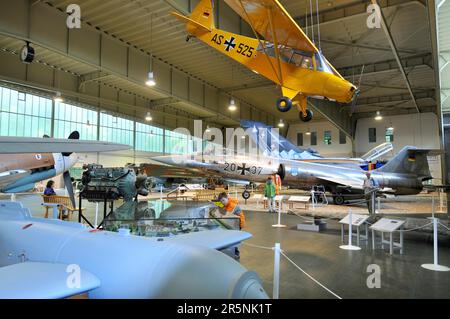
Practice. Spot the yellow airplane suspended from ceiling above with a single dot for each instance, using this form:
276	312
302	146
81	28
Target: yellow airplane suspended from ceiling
281	52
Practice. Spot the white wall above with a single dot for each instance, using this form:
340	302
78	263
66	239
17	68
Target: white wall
333	150
419	130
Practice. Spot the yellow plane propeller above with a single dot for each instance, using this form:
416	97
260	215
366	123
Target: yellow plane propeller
280	51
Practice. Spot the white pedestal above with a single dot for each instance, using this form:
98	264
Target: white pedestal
349	247
435	267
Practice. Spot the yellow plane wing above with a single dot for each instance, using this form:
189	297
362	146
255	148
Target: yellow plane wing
259	13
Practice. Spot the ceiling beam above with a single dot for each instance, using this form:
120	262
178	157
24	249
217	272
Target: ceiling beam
351	10
387	31
383	66
397	98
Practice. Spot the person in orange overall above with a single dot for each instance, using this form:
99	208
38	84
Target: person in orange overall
276	179
231	206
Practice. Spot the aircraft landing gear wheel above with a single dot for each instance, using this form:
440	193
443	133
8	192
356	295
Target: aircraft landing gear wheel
338	200
284	104
309	116
246	195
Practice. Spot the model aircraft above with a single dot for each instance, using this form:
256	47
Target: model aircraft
280	51
19	172
43	258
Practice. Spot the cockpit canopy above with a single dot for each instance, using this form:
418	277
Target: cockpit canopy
298	58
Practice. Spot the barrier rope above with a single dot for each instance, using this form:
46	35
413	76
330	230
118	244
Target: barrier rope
413	229
295	265
309	276
257	246
444	226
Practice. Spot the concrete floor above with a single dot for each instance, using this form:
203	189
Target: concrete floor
343	272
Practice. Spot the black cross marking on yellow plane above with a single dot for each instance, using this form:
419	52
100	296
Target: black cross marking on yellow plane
229	44
243	169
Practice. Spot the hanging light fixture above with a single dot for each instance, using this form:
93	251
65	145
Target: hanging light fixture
149	117
150	76
208	130
58	97
378	117
281	124
150	79
232	107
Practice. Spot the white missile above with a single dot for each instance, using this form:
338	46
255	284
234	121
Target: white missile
41	258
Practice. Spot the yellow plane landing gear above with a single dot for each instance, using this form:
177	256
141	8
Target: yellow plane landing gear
284	104
306	114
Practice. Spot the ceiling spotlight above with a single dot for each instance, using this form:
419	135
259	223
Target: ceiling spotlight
378	117
58	98
308	133
150	79
243	137
281	124
390	128
232	107
148	117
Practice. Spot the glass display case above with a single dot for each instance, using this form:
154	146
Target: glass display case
161	218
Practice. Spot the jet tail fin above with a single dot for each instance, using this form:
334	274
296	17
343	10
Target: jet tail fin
201	19
411	160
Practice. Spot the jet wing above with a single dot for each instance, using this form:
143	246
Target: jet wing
288	33
35	280
21	145
215	239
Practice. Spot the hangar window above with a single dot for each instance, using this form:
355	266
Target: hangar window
69	118
149	138
313	139
23	114
175	143
372	135
299	139
342	138
116	129
390	135
327	137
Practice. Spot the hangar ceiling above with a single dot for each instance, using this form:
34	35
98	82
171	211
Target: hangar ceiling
105	64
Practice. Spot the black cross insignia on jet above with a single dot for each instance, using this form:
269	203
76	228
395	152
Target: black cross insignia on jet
243	169
230	44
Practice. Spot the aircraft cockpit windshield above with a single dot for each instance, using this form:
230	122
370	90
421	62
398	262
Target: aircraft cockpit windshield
298	58
322	64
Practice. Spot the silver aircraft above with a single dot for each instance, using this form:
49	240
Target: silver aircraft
345	179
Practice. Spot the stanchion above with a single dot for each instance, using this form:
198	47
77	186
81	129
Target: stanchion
161	193
350	233
13	197
435	266
276	272
279	225
96	215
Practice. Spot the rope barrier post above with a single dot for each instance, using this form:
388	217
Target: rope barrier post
161	193
279	225
350	233
435	266
13	197
96	215
276	272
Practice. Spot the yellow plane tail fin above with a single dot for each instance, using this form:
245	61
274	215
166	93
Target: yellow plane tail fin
201	19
